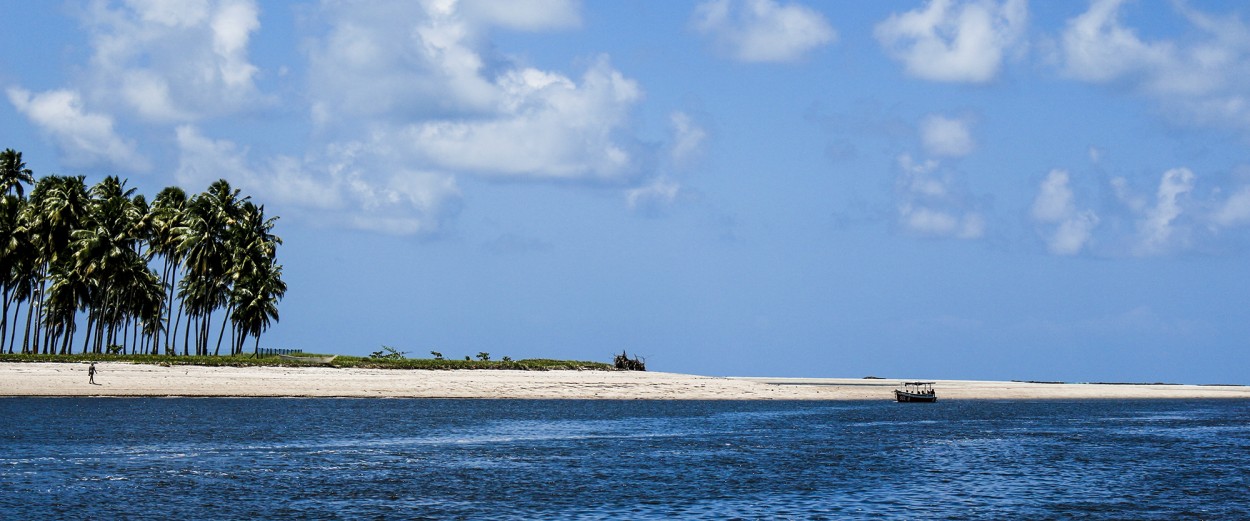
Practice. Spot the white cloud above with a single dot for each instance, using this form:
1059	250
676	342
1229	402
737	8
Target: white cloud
1163	223
172	62
1235	210
1126	196
931	204
941	223
523	15
1055	206
202	160
423	59
688	138
420	61
331	188
1073	233
660	192
84	138
952	41
546	126
1054	201
1201	80
1097	48
949	137
1095	154
434	100
1157	228
762	30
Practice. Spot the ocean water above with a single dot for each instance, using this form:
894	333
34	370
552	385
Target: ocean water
187	459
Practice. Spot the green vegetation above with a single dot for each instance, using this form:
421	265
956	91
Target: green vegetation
152	279
248	360
70	253
388	353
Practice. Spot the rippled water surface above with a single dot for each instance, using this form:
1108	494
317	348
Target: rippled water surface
522	459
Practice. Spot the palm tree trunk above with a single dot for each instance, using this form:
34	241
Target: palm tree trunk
4	317
204	329
17	310
170	272
43	284
50	338
186	336
86	338
125	335
222	333
100	326
30	314
53	334
178	320
68	336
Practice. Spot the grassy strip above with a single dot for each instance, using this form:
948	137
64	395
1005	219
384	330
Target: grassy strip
538	364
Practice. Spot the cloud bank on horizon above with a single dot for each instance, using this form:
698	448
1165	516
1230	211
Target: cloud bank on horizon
399	103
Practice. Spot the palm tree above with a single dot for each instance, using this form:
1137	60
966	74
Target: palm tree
70	251
256	303
58	205
68	293
14	255
106	252
207	253
13	173
257	278
167	224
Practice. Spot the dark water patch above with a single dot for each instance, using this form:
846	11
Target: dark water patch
521	459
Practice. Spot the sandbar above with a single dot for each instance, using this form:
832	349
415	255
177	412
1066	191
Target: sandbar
119	379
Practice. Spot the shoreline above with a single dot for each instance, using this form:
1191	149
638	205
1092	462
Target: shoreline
118	379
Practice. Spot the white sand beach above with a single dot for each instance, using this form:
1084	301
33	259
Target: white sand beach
125	379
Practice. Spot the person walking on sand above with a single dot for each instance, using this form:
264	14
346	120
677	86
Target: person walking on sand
91	374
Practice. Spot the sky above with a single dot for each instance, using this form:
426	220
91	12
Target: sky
943	189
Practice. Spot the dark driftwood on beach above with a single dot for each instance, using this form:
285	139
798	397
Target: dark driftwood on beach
624	362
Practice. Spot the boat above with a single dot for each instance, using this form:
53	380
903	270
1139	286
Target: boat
312	359
916	392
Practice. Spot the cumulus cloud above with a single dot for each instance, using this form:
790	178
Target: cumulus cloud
442	102
332	187
151	62
953	41
1163	223
1158	229
1055	207
762	30
523	15
659	193
1202	80
174	61
419	61
545	126
931	204
1235	210
686	143
84	138
949	137
406	97
688	138
435	96
202	160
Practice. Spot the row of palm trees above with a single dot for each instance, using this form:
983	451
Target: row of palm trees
147	278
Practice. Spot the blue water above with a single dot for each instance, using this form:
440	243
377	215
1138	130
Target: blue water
513	459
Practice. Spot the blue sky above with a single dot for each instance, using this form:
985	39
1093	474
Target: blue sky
984	189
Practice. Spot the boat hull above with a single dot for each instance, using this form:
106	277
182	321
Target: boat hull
906	397
313	359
